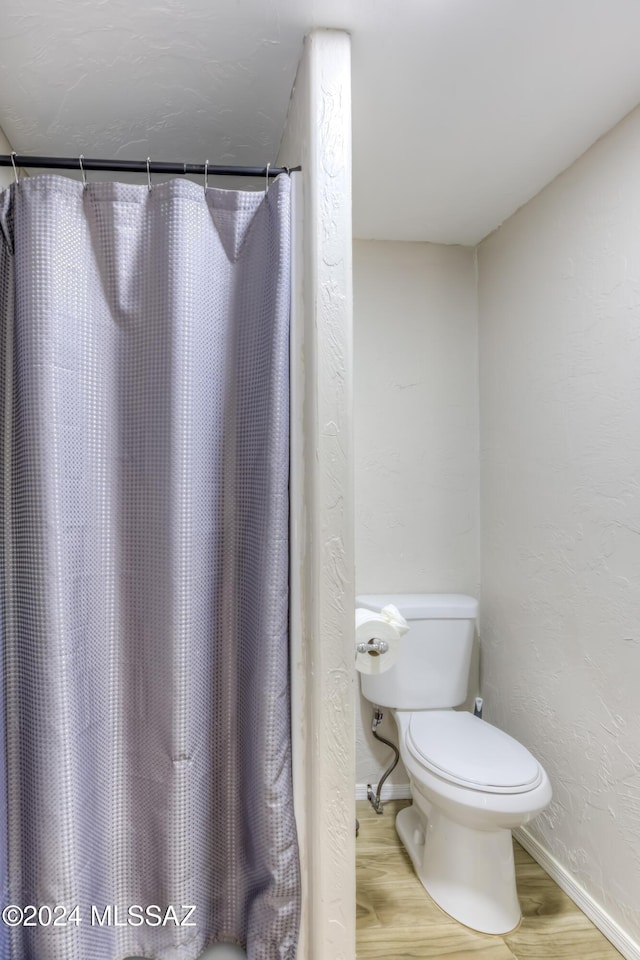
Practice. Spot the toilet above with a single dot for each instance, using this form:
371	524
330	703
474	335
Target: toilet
471	783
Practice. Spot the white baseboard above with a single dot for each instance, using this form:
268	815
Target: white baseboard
390	791
629	948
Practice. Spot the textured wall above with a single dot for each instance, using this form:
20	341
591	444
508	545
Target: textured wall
560	427
181	81
318	135
416	434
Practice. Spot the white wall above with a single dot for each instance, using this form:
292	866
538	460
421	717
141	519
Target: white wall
318	136
559	298
415	435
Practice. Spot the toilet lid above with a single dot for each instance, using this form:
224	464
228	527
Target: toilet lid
466	750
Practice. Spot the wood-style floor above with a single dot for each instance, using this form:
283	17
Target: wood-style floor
396	918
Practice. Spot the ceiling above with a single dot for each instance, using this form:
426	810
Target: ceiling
462	109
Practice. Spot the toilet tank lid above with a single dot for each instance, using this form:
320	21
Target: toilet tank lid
423	606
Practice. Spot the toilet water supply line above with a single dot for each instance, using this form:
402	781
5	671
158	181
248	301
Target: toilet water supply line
374	798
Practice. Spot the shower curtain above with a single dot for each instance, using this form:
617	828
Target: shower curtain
145	776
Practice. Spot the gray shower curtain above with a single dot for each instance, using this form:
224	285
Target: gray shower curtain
145	778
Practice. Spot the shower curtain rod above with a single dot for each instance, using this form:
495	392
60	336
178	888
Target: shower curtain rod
141	166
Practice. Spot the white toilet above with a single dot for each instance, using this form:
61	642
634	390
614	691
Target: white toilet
471	784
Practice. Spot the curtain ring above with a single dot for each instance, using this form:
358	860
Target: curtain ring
149	173
266	186
206	175
13	164
84	176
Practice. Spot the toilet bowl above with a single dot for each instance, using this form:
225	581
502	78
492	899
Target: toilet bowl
471	783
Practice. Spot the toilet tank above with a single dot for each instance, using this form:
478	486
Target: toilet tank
433	670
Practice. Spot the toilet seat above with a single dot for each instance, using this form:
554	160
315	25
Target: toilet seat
465	750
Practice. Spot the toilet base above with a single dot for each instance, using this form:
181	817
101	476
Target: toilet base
469	873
